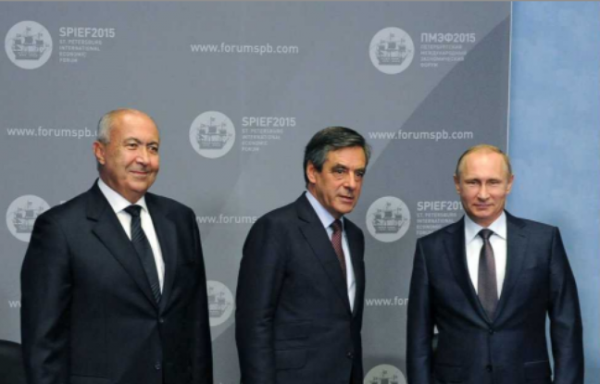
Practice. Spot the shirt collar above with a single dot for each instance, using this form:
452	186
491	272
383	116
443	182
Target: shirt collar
116	201
326	218
472	229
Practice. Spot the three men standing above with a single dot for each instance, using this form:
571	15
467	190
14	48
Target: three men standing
302	279
113	283
114	286
488	282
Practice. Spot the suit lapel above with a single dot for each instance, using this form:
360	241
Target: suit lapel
316	236
455	249
167	235
356	249
110	232
516	250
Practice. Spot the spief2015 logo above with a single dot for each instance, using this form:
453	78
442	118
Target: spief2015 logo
28	45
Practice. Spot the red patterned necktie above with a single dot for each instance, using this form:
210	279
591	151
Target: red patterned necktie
336	240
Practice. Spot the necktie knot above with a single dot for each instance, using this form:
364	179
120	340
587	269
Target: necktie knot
486	233
133	210
337	226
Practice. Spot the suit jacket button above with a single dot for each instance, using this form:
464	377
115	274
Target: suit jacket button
157	366
161	320
489	368
491	331
350	355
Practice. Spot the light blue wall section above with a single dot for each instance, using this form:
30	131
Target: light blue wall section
555	138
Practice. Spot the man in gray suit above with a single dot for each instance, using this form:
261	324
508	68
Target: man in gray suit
488	282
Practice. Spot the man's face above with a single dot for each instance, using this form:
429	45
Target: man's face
483	185
130	161
338	185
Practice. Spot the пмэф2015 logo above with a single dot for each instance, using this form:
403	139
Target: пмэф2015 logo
388	219
391	50
21	215
28	45
212	134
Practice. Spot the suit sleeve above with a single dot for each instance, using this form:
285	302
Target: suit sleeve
46	289
259	283
565	318
420	323
202	365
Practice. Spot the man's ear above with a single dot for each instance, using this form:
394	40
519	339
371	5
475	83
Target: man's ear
99	152
311	171
457	183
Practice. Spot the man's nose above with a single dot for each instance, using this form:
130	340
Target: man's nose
143	157
483	193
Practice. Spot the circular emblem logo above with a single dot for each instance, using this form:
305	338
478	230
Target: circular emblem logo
391	50
28	45
21	215
220	302
212	134
385	374
388	219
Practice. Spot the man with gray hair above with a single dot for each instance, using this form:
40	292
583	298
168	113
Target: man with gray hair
113	283
301	284
488	283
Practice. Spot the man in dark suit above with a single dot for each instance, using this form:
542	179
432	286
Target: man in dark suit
302	279
113	283
487	283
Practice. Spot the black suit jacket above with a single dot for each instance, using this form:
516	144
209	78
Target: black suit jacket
293	319
88	315
511	348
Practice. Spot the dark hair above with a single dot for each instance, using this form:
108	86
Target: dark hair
332	139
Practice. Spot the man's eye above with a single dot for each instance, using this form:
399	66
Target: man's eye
339	171
131	145
153	149
360	174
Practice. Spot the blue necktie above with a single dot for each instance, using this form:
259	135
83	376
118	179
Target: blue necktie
144	250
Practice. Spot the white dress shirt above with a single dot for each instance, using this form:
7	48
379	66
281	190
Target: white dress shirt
118	204
327	219
474	242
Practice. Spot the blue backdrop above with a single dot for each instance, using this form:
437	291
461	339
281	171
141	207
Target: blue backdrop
555	138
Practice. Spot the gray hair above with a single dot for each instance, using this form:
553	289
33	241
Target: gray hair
332	139
106	123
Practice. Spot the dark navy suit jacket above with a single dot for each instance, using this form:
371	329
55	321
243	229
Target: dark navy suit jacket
293	319
88	315
511	348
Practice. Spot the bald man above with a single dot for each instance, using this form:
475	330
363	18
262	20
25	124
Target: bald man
113	283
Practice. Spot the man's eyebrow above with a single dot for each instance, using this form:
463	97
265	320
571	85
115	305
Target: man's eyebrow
138	141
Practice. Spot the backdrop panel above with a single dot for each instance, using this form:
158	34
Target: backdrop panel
237	90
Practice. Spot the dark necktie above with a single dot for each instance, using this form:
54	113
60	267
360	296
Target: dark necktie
143	249
487	286
336	240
